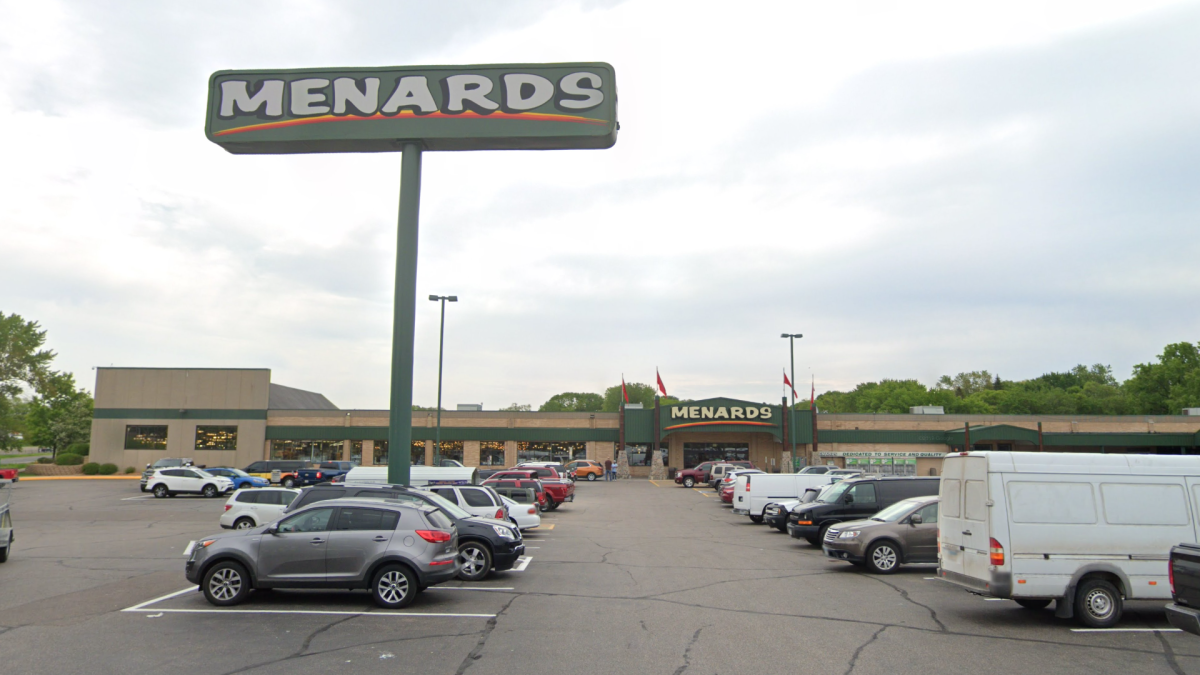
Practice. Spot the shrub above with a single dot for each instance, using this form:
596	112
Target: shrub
130	469
68	460
108	469
91	468
80	449
45	460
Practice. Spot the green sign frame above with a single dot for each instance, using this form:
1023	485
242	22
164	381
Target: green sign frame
556	106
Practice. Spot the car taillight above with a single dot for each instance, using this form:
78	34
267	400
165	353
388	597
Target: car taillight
228	506
532	510
996	552
499	514
1171	575
318	474
747	483
433	536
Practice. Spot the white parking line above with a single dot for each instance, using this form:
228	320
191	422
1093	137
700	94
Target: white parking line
522	563
469	588
168	596
138	498
1126	630
312	611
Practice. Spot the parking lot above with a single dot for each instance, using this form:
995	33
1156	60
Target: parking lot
634	577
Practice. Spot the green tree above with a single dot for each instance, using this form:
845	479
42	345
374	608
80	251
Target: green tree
573	402
638	393
517	407
965	384
23	363
1163	388
60	417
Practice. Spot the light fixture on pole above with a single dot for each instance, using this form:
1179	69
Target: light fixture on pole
437	438
791	337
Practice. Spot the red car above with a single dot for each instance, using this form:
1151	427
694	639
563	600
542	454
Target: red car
9	474
538	488
558	488
700	472
727	494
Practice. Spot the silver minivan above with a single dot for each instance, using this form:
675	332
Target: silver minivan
394	548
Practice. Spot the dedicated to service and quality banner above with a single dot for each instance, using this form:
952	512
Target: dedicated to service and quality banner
493	107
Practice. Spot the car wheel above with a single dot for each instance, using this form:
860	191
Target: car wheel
591	476
4	551
477	561
226	583
1034	603
883	557
209	491
782	527
394	587
551	505
756	519
689	482
289	482
820	535
1098	604
243	523
160	490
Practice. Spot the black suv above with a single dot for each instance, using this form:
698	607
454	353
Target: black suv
854	499
484	544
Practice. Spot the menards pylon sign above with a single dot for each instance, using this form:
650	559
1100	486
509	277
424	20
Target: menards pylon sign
495	107
412	109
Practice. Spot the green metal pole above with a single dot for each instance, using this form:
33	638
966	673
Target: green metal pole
437	438
404	316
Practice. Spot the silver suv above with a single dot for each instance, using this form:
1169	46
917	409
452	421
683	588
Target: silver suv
393	548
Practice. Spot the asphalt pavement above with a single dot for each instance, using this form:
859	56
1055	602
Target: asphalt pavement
634	577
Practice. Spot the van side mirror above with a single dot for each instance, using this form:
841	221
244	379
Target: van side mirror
916	519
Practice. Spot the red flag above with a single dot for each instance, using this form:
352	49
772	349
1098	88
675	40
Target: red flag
623	392
661	386
788	383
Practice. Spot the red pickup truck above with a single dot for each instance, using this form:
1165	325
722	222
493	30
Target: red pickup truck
9	474
700	472
558	488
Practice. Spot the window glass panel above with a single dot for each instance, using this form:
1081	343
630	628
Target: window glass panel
975	504
359	519
491	453
929	514
864	493
142	437
249	497
477	498
449	450
697	453
316	520
356	452
312	452
216	438
439	520
951	497
286	498
447	493
550	451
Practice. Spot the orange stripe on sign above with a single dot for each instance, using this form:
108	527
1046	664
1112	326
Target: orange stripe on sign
536	117
708	424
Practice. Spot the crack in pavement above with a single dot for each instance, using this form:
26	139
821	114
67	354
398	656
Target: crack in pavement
858	652
477	653
299	652
1169	653
687	652
904	594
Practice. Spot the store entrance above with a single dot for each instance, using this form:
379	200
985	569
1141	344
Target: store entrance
696	453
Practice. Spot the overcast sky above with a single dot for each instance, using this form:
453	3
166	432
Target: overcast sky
919	188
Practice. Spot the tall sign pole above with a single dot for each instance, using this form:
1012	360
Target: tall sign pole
412	109
792	408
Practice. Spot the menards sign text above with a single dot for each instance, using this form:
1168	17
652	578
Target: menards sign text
721	412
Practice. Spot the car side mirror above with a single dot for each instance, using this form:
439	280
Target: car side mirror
916	519
849	499
273	528
147	466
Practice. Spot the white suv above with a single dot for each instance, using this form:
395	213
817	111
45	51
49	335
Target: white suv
170	482
478	500
254	507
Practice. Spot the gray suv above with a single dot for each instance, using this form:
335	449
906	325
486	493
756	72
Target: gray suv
905	532
395	549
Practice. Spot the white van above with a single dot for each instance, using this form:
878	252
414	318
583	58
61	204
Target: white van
419	476
754	491
1086	530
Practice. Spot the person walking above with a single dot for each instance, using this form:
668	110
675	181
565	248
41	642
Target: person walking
608	468
614	470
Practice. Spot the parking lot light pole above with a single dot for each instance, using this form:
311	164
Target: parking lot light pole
791	337
437	438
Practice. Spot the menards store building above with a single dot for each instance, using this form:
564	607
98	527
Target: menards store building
232	417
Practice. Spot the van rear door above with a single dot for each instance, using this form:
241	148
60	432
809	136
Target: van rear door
963	516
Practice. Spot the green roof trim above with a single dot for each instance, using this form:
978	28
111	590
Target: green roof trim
534	435
993	432
176	414
881	436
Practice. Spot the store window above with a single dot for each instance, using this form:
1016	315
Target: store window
640	454
308	451
380	455
145	437
491	453
417	453
356	452
216	438
550	451
697	453
450	450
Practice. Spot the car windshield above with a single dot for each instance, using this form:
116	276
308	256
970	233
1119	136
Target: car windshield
448	506
834	493
895	512
202	472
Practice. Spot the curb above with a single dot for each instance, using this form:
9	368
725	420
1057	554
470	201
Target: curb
133	477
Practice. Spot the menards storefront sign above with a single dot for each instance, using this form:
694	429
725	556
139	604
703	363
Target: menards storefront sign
881	455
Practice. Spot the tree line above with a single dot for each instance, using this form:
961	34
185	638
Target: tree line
39	406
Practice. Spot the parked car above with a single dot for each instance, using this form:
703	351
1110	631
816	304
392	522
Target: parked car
562	469
817	468
240	478
164	463
286	469
252	508
325	471
700	473
478	500
776	514
7	536
1089	531
516	486
727	494
753	494
587	469
558	488
904	533
418	476
485	544
1184	572
523	514
719	471
9	475
188	480
394	549
854	499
